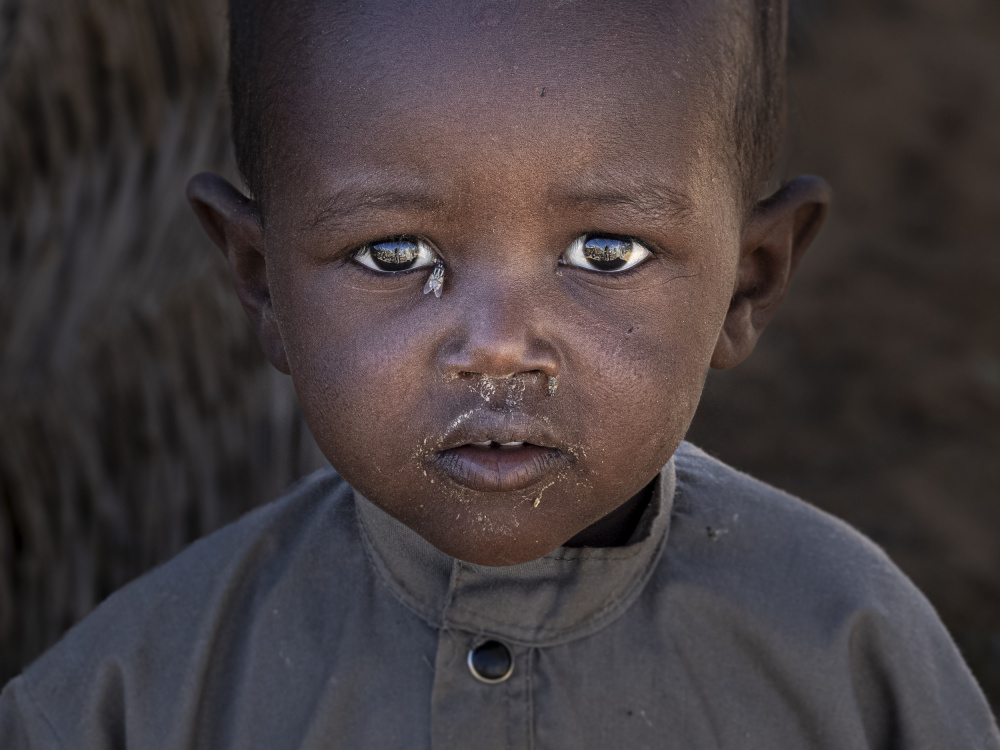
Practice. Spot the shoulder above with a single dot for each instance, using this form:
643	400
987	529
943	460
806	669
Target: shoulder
810	597
152	635
720	512
317	510
755	555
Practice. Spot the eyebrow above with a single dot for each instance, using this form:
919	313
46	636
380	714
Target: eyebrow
370	199
649	198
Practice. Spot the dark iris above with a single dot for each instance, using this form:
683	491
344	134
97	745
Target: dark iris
606	253
394	255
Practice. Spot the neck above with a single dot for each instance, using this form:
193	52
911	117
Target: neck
616	528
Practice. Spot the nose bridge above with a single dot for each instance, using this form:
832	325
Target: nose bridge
500	328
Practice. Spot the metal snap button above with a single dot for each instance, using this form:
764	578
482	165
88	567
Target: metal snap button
490	662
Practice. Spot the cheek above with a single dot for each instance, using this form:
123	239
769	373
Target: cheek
645	368
366	369
357	377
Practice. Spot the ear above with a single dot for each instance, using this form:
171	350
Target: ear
774	240
233	222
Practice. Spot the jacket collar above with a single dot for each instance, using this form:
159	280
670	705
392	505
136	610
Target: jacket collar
568	594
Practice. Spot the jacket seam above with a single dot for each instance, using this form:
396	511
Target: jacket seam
403	597
38	709
530	668
511	718
595	622
593	559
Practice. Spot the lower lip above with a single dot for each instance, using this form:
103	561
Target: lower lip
499	469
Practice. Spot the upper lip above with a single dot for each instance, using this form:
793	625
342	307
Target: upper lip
484	425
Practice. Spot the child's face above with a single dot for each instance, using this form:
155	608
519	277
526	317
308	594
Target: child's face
498	138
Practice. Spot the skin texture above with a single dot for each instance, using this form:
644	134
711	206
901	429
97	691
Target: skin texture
499	135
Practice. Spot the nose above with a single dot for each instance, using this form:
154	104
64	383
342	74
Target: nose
500	331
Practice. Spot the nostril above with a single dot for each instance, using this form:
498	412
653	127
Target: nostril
475	357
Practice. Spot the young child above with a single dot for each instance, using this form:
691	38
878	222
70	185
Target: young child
497	245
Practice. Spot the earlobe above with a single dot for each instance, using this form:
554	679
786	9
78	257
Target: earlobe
774	240
232	222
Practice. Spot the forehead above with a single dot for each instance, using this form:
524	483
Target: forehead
608	40
573	86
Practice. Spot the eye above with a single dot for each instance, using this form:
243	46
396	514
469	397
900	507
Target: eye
397	254
606	254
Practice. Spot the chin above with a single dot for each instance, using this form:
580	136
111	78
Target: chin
482	548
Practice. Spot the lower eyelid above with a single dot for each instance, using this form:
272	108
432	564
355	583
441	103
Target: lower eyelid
387	275
624	274
352	259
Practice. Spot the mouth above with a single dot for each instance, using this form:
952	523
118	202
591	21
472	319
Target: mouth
495	458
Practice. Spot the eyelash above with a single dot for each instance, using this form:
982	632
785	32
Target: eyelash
650	250
586	262
422	247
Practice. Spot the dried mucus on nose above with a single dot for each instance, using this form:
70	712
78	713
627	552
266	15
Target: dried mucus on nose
508	391
486	387
501	392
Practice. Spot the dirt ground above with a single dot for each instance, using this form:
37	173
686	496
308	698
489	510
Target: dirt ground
876	393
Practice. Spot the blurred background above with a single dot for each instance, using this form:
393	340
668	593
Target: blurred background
136	412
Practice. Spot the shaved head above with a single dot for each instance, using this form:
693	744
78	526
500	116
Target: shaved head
732	51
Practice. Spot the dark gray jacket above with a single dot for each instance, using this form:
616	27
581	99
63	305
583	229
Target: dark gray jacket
738	618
